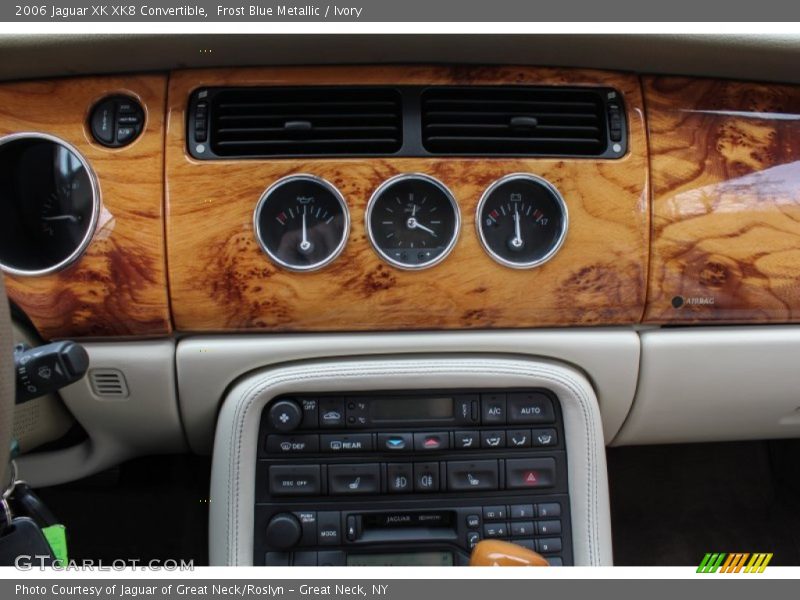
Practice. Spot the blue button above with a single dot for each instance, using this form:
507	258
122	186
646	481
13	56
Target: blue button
394	441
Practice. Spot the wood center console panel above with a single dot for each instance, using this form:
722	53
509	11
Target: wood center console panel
220	280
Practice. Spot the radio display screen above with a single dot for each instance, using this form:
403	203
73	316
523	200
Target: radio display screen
411	409
401	559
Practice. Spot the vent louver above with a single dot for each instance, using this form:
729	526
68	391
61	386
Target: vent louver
309	121
108	383
516	120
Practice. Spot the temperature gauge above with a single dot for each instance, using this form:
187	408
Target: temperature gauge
302	222
522	221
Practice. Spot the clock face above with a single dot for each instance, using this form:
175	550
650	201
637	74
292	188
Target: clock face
413	221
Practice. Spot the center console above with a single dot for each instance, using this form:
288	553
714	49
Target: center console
408	460
417	477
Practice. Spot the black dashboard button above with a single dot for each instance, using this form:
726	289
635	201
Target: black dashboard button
495	530
467	409
522	529
548	527
547	545
518	438
102	122
354	479
493	439
429	442
494	513
345	442
471	476
310	408
426	477
493	409
544	437
400	478
396	442
530	473
548	510
308	523
530	407
331	413
294	480
521	511
329	528
292	444
467	440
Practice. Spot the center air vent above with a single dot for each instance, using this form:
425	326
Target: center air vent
520	120
308	121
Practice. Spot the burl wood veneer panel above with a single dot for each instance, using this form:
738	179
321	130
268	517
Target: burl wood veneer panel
220	279
119	286
726	201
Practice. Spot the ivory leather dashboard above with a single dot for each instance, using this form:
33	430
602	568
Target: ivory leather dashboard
712	239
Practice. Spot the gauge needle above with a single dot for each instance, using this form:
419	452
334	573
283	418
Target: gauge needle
412	223
72	218
305	245
516	241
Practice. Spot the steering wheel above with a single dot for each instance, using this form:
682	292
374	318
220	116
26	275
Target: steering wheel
6	386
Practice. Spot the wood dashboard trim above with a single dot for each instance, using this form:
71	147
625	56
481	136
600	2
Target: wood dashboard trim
725	168
119	286
221	281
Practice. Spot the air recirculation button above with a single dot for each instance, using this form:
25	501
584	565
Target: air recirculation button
116	121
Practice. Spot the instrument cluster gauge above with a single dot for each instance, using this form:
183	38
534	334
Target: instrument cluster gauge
522	221
302	222
413	221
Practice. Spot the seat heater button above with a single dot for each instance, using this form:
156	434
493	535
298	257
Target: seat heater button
470	476
354	479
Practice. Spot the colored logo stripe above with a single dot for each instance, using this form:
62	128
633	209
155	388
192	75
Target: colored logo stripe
734	562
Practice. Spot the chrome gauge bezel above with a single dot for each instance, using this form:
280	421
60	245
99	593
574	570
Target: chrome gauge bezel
93	219
456	230
562	234
265	198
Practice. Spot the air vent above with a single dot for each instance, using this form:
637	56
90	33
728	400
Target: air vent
309	121
525	121
108	383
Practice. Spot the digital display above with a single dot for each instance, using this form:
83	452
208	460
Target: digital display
401	559
407	409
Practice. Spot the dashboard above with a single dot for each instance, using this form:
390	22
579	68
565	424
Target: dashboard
438	234
688	218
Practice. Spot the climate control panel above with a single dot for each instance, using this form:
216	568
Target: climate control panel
342	479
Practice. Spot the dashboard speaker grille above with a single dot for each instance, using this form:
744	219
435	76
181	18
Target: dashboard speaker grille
307	121
519	120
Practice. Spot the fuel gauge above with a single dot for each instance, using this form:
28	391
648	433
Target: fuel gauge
522	221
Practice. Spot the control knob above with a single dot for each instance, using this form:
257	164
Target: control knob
283	531
285	415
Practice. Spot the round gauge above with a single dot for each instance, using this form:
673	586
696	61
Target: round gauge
49	204
413	221
302	222
522	221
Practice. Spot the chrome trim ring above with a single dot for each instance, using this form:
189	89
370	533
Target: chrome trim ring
562	234
444	189
96	201
339	198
